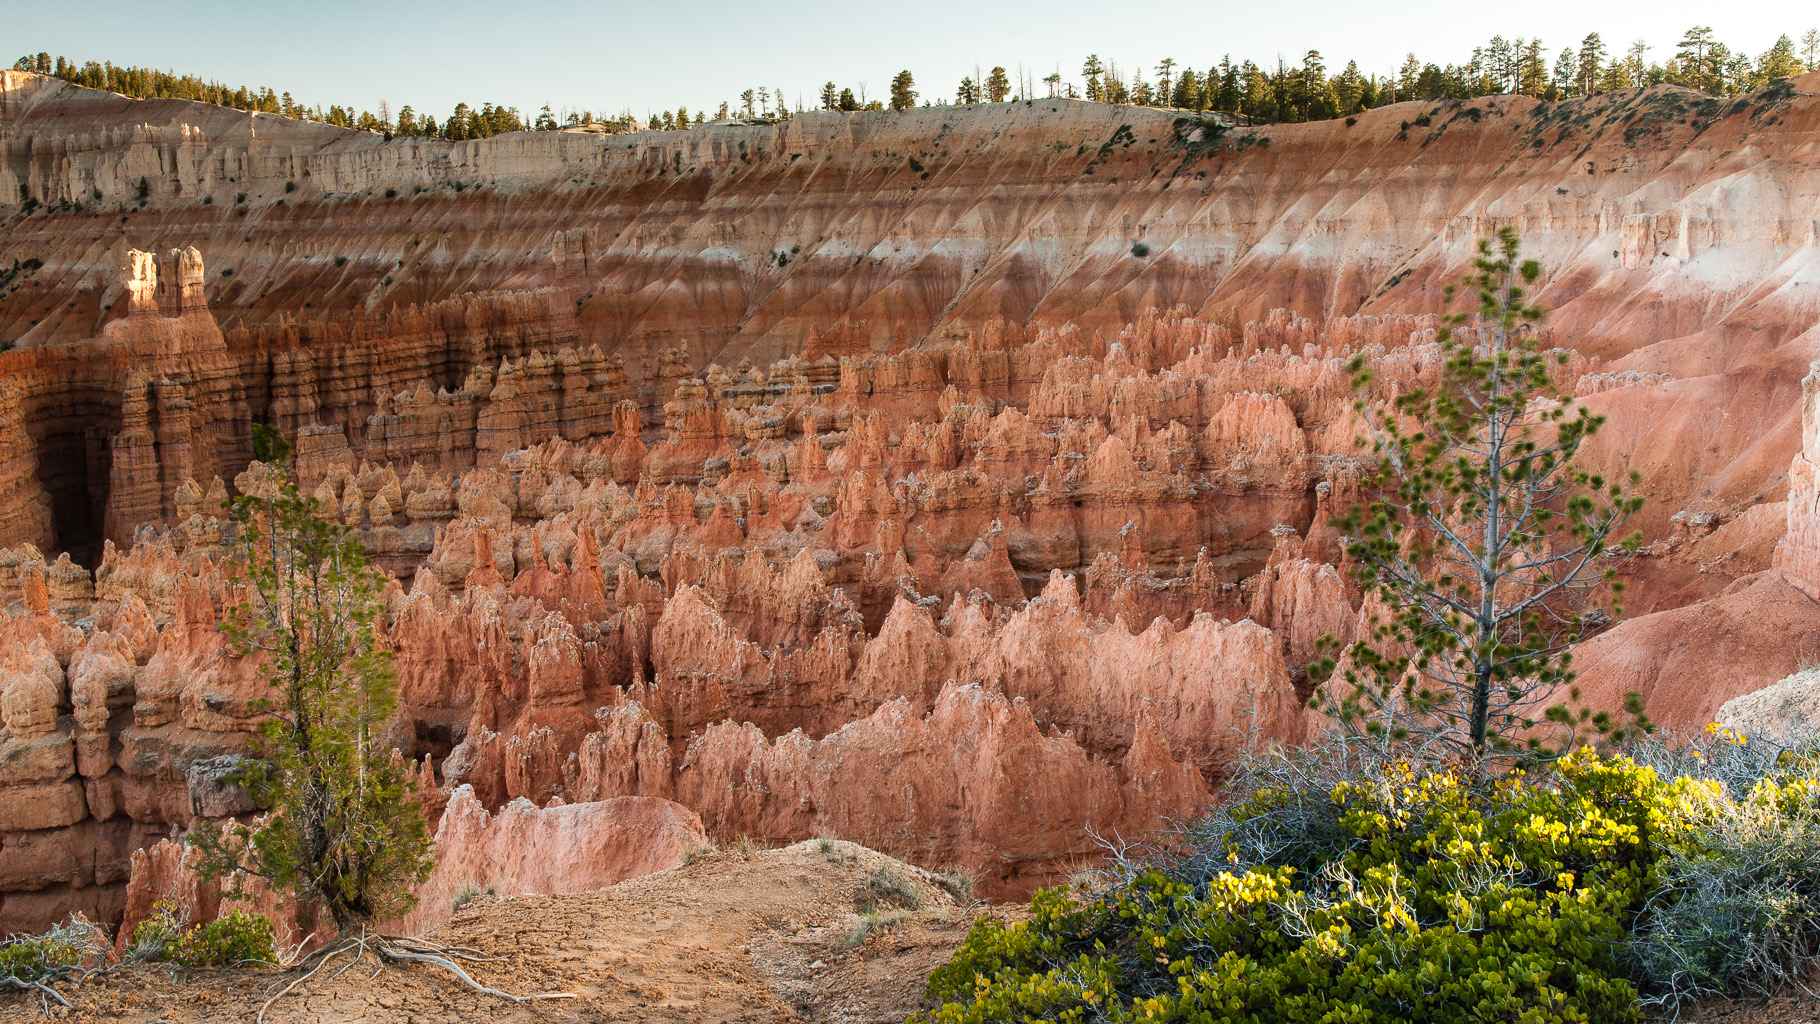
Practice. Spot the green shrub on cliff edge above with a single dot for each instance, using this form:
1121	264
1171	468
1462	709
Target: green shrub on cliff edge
1410	892
235	939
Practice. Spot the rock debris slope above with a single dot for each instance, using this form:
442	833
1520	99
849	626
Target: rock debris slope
847	476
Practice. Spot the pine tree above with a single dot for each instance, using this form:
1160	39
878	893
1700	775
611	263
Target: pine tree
1615	76
1810	48
1500	64
1230	92
1693	58
1165	76
903	96
1590	62
1190	91
1311	84
1092	70
1735	70
997	86
830	96
1407	77
1141	94
1532	69
407	120
1567	71
1349	85
1489	546
848	101
745	99
1633	63
546	121
343	829
1779	61
1257	99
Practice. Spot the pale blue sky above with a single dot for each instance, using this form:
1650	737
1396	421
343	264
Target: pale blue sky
653	56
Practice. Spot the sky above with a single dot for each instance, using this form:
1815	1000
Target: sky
610	55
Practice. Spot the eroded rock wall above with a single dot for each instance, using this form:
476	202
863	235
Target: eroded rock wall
850	475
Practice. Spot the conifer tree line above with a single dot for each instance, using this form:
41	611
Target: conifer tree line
1312	92
1279	92
464	122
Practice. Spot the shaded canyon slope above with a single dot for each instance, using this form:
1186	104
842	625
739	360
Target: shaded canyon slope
955	481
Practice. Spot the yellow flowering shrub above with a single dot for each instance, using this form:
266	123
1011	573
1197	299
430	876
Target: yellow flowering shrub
1409	893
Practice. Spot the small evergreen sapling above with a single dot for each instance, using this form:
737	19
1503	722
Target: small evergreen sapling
1492	548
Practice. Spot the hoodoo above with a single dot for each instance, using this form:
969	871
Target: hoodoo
954	480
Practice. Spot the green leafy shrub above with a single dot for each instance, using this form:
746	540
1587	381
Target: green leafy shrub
1350	885
1140	250
1434	899
69	952
154	937
238	938
38	957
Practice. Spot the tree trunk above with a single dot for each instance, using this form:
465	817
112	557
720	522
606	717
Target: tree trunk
1481	704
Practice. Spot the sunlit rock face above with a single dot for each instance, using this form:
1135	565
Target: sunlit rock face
850	475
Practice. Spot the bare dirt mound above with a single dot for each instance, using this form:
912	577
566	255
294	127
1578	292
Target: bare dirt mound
768	935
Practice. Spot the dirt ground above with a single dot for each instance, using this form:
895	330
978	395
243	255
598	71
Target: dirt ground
1794	1008
755	936
764	935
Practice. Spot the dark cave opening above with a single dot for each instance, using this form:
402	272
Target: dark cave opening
436	739
73	469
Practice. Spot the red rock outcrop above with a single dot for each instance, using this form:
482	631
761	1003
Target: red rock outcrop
975	783
566	848
1687	662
